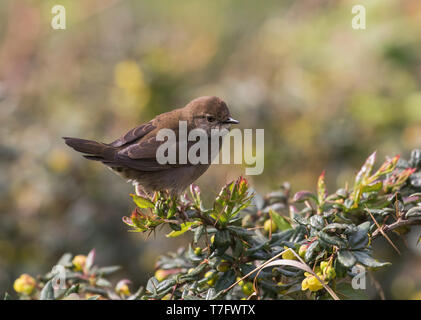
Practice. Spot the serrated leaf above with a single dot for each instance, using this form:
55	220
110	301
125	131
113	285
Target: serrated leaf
365	259
332	240
336	226
346	258
281	223
317	222
47	293
142	202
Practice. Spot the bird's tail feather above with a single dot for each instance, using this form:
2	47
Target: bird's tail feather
93	150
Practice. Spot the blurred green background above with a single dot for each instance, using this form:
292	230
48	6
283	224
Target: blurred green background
327	96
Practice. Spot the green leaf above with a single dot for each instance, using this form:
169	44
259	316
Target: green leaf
359	238
317	222
152	284
73	289
414	212
66	259
90	259
346	258
141	202
108	270
186	226
222	238
346	292
311	250
332	240
47	293
302	196
365	259
336	226
225	280
365	170
198	232
375	186
101	282
280	221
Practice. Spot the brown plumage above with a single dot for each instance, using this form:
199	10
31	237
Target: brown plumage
133	155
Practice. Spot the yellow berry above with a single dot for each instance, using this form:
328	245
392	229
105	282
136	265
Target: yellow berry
160	274
79	262
241	282
24	284
211	278
198	251
122	287
269	225
302	251
311	283
247	288
166	297
330	273
323	265
212	239
224	266
288	255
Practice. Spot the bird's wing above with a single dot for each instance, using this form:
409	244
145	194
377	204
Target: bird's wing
142	155
134	134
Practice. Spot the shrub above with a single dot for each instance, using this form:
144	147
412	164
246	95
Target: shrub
249	246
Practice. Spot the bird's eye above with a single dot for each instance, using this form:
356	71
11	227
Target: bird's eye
210	119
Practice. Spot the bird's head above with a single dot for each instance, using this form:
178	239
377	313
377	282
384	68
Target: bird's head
209	113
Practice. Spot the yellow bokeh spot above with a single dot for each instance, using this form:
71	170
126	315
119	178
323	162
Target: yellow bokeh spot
131	91
58	160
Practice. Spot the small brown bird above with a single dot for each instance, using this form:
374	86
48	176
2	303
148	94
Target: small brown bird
133	155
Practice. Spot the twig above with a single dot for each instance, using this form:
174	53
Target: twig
395	225
380	229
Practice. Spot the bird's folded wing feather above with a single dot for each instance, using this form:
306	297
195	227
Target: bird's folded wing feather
142	155
134	134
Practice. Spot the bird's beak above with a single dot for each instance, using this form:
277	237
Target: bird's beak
231	120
